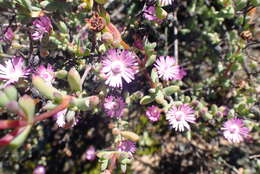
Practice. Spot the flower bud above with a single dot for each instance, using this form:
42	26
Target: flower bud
130	135
161	13
45	89
107	38
61	74
74	80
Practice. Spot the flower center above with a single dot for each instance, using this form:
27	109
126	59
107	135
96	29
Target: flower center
234	129
117	67
179	115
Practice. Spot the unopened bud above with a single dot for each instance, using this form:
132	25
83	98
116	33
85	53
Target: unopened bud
74	80
161	13
61	74
107	38
130	135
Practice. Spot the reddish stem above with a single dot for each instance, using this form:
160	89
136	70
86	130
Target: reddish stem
112	163
7	124
64	104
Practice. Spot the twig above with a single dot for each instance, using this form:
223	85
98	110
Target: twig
230	166
87	69
254	156
175	32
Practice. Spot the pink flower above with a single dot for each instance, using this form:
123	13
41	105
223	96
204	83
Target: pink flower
126	146
61	118
165	2
150	14
13	70
8	35
66	119
180	116
114	106
153	113
118	65
41	25
46	73
39	170
90	153
168	69
234	130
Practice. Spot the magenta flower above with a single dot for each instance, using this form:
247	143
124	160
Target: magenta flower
180	116
39	170
8	35
149	13
118	65
165	2
168	69
153	113
90	153
235	130
41	25
114	106
13	70
126	146
46	73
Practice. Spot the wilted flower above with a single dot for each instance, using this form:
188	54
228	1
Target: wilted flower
180	116
150	14
13	70
114	106
39	170
165	2
41	25
168	69
126	146
90	153
8	35
153	113
118	65
46	73
60	118
235	130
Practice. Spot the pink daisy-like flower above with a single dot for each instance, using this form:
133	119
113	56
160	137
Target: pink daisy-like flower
41	25
13	70
39	170
163	3
153	113
235	130
118	65
149	13
114	106
90	153
46	73
126	146
180	116
168	69
8	35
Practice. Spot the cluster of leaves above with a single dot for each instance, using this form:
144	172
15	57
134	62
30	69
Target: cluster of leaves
206	37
